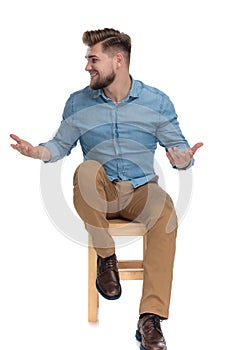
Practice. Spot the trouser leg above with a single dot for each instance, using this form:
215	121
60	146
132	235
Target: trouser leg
153	206
95	196
96	199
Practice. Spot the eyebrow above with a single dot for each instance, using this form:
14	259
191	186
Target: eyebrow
91	56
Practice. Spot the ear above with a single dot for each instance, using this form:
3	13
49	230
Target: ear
119	59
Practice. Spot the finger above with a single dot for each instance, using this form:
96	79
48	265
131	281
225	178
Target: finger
196	146
176	151
15	137
169	157
18	148
171	153
178	154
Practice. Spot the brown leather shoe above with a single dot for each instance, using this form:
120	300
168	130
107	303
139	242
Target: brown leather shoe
108	282
149	333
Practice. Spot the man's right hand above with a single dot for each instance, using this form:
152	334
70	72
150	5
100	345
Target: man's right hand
25	148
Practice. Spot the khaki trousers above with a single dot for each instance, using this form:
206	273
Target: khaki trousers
97	199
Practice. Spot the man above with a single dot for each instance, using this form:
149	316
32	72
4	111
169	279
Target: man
119	121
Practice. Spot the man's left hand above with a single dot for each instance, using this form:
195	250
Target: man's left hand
181	159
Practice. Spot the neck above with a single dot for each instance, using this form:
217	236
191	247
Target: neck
119	89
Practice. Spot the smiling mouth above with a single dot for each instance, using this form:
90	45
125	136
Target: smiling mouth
93	75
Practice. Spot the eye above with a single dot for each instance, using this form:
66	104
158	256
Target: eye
94	60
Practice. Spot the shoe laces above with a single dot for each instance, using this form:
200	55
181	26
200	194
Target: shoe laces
154	322
108	263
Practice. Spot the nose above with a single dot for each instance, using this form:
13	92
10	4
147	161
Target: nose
88	67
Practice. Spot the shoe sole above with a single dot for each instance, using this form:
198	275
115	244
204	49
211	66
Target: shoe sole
115	297
139	338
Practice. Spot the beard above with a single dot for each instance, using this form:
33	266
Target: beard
101	83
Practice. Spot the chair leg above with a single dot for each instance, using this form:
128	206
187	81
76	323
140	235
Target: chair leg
93	297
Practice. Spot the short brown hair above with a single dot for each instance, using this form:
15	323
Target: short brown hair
111	40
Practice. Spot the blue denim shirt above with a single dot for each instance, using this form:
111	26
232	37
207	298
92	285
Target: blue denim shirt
123	137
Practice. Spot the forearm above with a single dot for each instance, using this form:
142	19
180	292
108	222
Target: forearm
42	153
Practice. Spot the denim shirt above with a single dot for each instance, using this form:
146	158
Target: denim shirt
123	137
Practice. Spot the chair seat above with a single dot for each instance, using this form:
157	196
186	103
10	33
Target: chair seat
120	227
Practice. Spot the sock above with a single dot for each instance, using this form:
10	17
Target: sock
148	313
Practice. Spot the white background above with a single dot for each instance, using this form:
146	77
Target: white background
183	48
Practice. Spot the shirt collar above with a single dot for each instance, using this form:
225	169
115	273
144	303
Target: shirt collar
135	90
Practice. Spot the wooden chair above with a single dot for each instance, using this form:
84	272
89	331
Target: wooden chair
128	269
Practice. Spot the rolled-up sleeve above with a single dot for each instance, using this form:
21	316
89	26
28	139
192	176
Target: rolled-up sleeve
64	140
169	133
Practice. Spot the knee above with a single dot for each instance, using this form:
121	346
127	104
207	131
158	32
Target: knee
86	171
